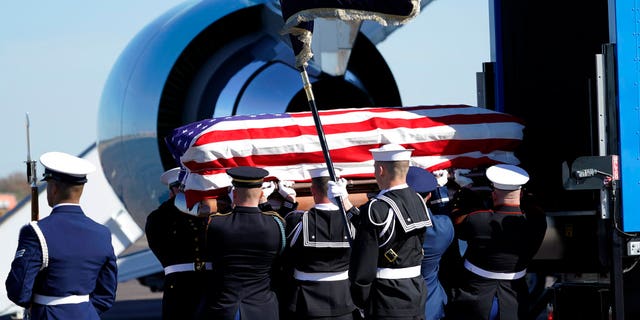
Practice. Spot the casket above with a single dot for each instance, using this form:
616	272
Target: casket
287	144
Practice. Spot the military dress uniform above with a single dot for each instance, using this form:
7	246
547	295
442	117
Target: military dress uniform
319	250
178	241
65	266
243	246
385	270
437	239
500	244
387	252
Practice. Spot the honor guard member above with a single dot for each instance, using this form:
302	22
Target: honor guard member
178	241
243	246
318	251
436	239
65	267
387	250
501	242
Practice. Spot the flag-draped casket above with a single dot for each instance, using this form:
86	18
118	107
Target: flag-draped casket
287	144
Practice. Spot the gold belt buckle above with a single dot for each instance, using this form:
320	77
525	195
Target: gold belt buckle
391	255
199	266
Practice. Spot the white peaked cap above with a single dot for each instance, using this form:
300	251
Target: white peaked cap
507	177
65	167
67	164
323	172
170	176
391	152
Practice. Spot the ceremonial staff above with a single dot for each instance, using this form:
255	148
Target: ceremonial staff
32	178
298	23
323	141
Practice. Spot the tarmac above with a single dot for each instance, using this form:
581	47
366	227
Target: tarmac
134	301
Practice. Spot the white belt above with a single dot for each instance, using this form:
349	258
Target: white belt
398	273
52	301
494	275
194	266
441	200
320	276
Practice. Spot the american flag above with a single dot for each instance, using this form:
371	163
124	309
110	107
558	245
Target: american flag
299	15
287	145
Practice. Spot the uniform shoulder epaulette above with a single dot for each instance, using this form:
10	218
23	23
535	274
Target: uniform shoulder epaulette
273	213
218	214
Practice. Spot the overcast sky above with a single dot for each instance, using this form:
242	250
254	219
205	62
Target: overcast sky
55	57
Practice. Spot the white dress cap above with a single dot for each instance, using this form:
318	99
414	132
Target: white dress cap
323	172
507	177
65	167
391	152
170	176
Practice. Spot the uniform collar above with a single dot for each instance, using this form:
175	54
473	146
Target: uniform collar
246	209
398	187
65	204
326	206
507	209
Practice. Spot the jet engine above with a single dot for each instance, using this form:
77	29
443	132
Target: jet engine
206	59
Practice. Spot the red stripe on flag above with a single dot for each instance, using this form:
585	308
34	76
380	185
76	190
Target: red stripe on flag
379	123
355	154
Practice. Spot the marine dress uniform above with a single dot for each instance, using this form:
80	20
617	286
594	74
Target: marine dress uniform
387	250
500	244
64	267
178	241
436	242
243	246
318	251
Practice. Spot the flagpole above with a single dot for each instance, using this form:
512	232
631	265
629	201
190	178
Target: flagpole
323	142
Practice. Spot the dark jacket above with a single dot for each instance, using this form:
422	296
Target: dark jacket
177	238
243	246
399	247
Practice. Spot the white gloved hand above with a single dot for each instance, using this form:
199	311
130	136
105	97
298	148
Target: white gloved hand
268	188
285	188
442	176
460	179
337	189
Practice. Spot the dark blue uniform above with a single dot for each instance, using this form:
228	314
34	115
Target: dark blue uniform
318	251
387	254
178	240
436	241
243	246
80	279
